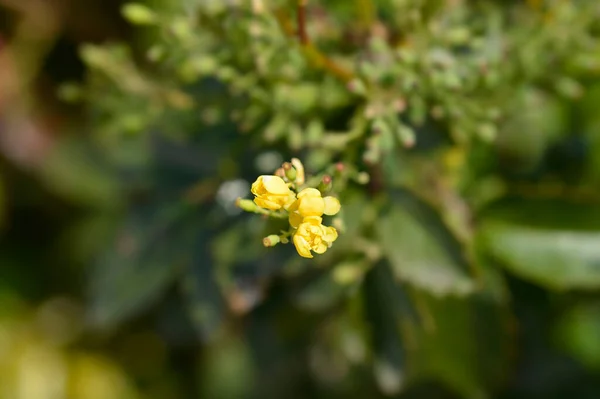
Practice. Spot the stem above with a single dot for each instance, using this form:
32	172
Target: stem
301	18
315	57
272	214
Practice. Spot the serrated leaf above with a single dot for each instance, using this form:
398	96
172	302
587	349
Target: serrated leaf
421	249
552	244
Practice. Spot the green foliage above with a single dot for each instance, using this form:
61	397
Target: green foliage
463	142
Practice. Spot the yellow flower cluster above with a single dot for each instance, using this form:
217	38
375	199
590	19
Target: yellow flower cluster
305	212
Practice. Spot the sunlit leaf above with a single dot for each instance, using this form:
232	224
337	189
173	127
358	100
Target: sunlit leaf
556	245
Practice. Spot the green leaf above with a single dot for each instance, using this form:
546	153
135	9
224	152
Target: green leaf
201	291
72	172
463	342
320	294
420	247
577	333
556	245
383	306
149	251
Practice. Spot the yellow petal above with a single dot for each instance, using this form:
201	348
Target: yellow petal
293	206
309	192
290	200
258	187
267	204
332	205
313	220
275	185
321	248
311	206
295	219
302	246
330	235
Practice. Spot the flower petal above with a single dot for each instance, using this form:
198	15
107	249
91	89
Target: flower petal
295	219
258	188
293	206
332	205
275	185
321	248
312	220
311	206
266	203
302	246
309	192
290	200
330	235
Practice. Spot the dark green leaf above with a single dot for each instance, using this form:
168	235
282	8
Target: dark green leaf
421	249
202	294
149	250
382	308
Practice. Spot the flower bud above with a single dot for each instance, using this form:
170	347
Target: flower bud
138	14
299	170
280	172
325	184
246	205
271	241
356	86
289	171
406	135
363	178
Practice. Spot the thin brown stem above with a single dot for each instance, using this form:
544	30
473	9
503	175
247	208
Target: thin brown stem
301	20
315	57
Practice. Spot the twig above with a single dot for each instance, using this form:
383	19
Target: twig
316	58
301	19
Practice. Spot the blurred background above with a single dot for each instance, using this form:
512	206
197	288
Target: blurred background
463	137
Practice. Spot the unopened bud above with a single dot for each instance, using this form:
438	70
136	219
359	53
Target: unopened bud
138	14
271	241
289	171
406	135
246	205
325	184
340	167
299	170
380	126
280	172
363	178
357	86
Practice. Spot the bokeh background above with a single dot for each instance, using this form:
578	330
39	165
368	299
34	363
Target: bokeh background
468	264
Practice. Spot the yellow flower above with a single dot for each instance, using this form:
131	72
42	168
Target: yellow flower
311	235
310	203
271	192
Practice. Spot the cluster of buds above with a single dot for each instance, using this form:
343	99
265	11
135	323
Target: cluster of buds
286	195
